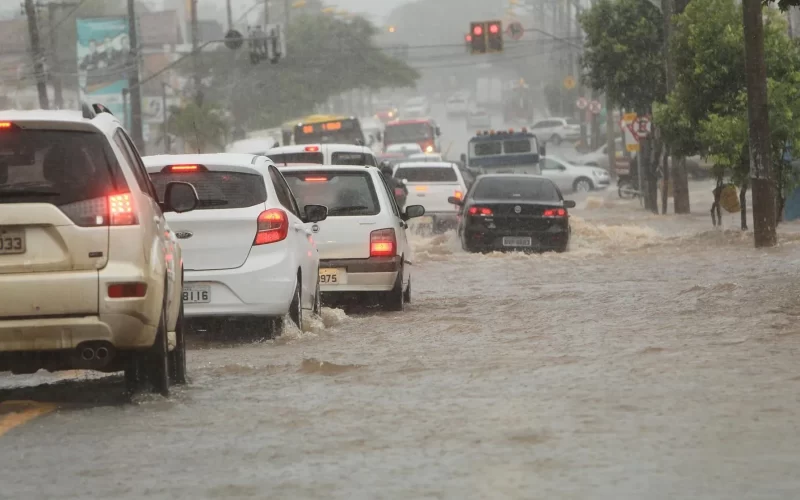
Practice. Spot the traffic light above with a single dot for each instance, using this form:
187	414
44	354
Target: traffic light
478	33
495	36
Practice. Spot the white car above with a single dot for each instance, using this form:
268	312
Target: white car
456	105
569	177
90	271
247	252
435	157
430	184
405	148
322	154
557	130
363	245
479	119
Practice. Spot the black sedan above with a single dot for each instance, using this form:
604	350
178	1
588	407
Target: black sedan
513	212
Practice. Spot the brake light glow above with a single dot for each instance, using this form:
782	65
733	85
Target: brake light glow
382	243
127	290
480	211
555	212
312	149
273	226
120	210
316	179
5	125
183	168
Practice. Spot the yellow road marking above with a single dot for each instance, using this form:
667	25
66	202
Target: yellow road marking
16	413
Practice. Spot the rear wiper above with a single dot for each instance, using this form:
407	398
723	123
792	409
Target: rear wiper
347	209
21	193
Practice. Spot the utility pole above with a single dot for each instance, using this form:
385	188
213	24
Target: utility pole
36	54
680	178
198	95
167	145
58	92
229	10
133	80
762	187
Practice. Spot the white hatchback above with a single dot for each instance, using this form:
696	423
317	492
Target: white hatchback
247	252
430	184
362	244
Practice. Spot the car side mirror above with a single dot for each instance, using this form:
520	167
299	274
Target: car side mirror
413	211
438	131
455	201
569	204
562	167
180	197
315	213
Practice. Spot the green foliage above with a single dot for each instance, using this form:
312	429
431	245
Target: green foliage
624	52
202	128
327	56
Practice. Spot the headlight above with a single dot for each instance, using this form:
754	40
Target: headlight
600	173
429	149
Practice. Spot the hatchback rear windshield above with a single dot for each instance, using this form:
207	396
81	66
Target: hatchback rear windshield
218	190
426	174
301	157
57	167
515	188
358	159
344	193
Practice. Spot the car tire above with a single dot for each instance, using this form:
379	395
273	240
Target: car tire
556	139
177	357
157	358
296	307
582	185
395	299
407	293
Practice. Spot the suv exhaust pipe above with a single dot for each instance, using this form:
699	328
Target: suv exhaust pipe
88	354
93	355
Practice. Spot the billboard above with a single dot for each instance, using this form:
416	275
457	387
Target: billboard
103	50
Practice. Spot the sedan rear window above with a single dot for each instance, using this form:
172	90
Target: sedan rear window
515	188
426	174
344	193
218	190
58	167
300	157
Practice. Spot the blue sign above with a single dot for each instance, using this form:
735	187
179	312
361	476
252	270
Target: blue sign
103	51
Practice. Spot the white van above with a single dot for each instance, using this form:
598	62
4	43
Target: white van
322	154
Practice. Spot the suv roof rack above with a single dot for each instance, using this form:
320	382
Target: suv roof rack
95	109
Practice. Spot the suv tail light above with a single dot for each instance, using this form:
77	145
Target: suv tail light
555	212
127	290
114	210
382	243
480	211
273	226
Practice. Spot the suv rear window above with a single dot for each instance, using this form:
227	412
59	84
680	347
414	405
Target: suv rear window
217	190
426	174
57	166
302	157
344	193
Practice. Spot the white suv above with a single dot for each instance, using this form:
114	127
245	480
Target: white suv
90	272
362	244
247	252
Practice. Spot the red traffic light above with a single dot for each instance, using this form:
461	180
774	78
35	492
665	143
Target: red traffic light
468	38
494	29
477	30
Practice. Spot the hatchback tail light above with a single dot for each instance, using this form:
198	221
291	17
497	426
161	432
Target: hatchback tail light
273	226
555	212
480	211
114	210
382	243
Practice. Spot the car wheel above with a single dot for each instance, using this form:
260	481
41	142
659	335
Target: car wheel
407	293
296	308
582	185
395	299
177	357
556	139
157	358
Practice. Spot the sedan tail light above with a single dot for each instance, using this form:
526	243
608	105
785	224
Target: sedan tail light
480	211
555	212
382	243
273	226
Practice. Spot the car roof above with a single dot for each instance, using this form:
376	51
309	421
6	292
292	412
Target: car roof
426	164
64	119
323	148
512	176
237	161
337	168
409	121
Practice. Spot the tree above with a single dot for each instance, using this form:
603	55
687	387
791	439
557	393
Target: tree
203	129
623	58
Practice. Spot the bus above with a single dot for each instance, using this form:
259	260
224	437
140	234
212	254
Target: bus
322	129
505	152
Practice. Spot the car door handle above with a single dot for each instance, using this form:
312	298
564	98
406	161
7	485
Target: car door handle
299	227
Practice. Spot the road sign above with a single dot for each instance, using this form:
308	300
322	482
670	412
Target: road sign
233	40
582	103
643	127
595	107
569	83
627	124
515	30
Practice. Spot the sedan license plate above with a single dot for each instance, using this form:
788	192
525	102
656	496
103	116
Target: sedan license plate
515	241
196	294
12	241
333	276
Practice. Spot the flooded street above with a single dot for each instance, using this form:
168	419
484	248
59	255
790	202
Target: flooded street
656	359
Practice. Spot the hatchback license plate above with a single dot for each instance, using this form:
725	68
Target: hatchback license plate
333	276
196	294
514	241
12	241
